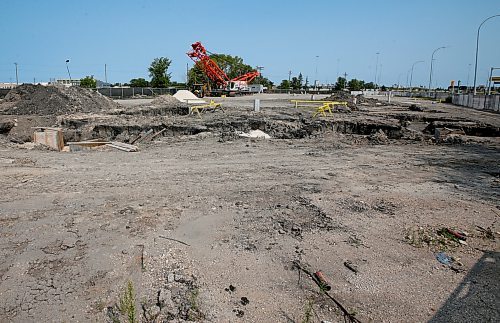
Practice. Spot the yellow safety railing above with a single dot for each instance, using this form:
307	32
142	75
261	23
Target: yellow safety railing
326	106
201	108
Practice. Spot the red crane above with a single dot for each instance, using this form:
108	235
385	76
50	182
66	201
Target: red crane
199	55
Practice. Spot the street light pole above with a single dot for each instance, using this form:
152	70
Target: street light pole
411	76
69	74
316	74
468	77
430	73
17	76
477	48
376	70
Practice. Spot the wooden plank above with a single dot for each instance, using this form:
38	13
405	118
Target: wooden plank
157	134
123	146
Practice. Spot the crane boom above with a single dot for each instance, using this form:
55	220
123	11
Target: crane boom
209	66
200	56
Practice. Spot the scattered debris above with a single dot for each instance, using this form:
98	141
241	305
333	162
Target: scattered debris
321	281
414	107
444	258
230	289
172	239
347	315
446	134
244	301
379	137
487	233
142	136
86	145
239	313
435	239
351	266
254	134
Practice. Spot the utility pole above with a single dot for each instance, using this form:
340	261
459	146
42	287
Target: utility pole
105	73
376	70
289	75
17	76
345	78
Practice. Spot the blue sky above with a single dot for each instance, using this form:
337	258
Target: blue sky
279	35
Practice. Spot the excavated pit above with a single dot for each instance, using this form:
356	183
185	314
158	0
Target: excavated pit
298	128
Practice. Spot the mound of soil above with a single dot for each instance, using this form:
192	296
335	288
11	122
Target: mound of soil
344	96
167	100
28	99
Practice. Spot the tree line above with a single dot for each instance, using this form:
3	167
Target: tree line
233	66
298	83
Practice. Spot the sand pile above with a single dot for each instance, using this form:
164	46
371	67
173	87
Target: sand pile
28	99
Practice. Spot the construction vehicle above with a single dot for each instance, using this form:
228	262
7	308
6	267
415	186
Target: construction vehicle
225	85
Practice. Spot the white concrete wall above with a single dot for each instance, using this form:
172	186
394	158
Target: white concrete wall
478	102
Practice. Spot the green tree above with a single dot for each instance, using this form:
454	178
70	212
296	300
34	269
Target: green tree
301	79
295	83
356	85
369	86
158	72
341	84
88	82
264	81
306	84
285	84
140	82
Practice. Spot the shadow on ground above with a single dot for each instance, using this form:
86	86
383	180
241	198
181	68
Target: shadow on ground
473	168
477	298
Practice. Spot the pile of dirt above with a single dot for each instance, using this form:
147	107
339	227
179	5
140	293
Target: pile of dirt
351	100
167	100
170	105
28	99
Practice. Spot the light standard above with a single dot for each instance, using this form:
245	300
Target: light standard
67	67
430	73
376	70
338	65
17	77
316	74
411	75
477	48
468	77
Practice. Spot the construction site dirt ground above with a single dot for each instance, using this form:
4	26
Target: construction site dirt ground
208	229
